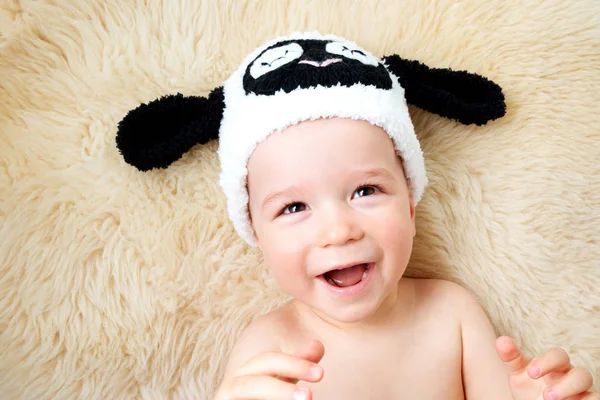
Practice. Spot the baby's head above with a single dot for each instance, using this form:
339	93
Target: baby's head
331	194
320	163
305	80
322	169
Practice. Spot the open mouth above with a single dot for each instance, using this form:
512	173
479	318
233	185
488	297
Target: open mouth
348	276
349	281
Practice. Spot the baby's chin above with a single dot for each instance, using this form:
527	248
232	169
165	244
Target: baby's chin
342	317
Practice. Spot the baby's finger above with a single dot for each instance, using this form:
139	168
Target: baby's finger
287	366
554	360
313	352
261	387
575	382
509	353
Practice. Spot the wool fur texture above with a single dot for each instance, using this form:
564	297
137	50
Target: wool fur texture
122	284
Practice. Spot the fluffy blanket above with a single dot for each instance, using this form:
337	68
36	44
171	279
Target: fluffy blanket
121	284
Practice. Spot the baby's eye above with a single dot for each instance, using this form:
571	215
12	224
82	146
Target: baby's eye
294	208
364	191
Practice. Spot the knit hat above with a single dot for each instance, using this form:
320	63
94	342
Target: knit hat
300	77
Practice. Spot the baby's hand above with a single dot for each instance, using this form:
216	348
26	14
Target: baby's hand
549	377
273	375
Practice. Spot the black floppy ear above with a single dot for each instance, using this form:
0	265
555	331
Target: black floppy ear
156	134
466	97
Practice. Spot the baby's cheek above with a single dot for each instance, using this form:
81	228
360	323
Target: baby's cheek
290	275
397	232
278	246
285	260
285	256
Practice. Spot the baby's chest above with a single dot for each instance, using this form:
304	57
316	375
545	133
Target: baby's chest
399	371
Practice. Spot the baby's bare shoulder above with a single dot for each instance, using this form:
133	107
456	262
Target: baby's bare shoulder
265	333
443	296
439	290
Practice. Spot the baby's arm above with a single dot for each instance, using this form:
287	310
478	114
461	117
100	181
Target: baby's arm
255	339
257	368
484	374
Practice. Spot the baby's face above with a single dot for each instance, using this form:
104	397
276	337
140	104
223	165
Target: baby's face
331	195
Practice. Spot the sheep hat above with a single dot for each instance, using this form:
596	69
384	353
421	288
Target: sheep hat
300	77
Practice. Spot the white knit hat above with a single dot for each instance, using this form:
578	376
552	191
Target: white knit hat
303	76
250	117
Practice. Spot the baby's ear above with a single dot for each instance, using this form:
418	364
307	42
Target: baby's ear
156	134
413	214
466	97
254	235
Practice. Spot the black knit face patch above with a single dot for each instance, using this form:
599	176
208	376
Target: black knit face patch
290	65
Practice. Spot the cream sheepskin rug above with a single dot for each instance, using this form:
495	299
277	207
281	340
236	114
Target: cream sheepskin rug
121	284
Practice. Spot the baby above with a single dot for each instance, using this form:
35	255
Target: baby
335	220
323	171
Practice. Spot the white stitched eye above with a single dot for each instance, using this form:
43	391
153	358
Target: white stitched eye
348	51
275	58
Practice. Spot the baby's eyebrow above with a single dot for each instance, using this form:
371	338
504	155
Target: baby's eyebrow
376	172
286	193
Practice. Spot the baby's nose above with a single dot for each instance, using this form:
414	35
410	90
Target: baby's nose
338	229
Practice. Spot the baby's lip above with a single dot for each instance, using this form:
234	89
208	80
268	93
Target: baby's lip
343	266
